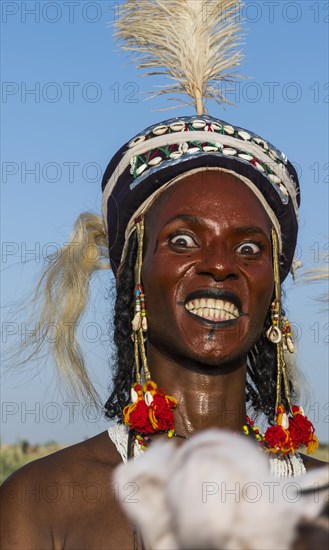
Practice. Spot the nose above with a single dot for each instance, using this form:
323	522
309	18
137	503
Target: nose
217	262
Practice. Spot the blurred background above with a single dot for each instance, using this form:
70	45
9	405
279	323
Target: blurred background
69	101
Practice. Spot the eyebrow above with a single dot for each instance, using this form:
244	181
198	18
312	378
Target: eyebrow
250	230
186	218
195	220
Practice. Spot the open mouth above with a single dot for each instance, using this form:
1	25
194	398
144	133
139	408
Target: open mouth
214	305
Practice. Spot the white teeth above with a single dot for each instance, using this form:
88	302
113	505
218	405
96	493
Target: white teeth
211	309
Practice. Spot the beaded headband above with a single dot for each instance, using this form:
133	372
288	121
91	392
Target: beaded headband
156	156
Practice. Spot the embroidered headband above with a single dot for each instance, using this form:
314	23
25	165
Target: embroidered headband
156	157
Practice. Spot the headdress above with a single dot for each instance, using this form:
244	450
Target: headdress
197	50
153	159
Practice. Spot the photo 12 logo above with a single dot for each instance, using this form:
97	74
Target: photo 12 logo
66	12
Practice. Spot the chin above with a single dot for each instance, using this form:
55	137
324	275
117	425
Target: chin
217	345
213	357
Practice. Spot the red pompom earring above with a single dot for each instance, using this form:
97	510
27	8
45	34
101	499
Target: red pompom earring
150	410
289	432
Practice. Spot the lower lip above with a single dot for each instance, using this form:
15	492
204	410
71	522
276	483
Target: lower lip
226	323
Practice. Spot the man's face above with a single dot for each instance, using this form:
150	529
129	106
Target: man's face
207	271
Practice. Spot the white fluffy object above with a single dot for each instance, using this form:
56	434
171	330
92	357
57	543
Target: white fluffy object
215	492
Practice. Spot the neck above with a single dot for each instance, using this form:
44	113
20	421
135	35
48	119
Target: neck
208	397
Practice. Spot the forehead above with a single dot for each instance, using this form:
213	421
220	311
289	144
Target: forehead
216	196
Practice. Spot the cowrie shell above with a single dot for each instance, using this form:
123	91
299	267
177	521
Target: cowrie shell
183	147
136	322
285	421
273	154
274	178
259	167
274	334
177	126
133	395
229	129
216	127
209	148
136	141
160	130
290	345
141	169
155	161
261	143
283	190
245	156
198	124
229	151
175	154
148	398
133	161
244	135
193	150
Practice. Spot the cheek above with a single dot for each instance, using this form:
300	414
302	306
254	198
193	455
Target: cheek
261	290
158	279
163	271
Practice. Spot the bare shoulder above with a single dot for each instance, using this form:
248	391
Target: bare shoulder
83	461
52	499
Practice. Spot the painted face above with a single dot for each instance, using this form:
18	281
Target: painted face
207	271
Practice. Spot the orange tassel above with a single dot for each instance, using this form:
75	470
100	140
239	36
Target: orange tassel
313	445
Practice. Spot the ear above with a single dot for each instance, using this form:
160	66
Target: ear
146	475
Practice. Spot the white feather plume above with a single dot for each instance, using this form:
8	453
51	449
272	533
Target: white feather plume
192	42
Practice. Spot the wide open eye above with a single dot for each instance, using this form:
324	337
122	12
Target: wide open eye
183	241
249	249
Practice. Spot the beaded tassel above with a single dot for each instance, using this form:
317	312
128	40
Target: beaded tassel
288	433
151	410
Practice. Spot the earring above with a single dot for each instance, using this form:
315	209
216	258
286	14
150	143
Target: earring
150	410
274	333
289	432
280	329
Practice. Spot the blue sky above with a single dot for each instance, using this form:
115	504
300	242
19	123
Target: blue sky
69	101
